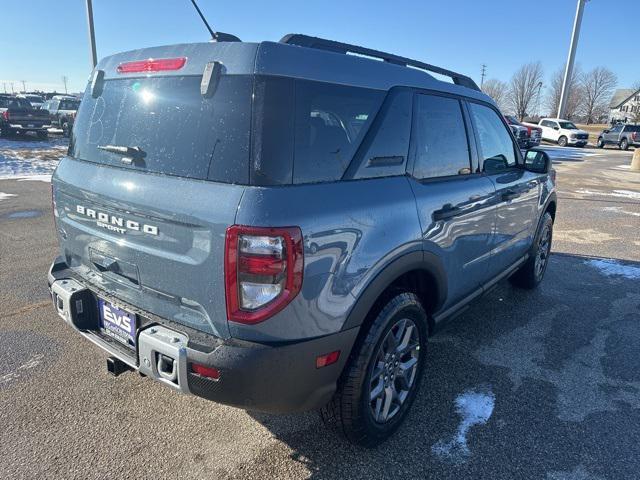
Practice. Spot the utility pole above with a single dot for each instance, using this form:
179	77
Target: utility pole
64	80
4	84
24	87
482	75
12	91
568	72
92	35
538	99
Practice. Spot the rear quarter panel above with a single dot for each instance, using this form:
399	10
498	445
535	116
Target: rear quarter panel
351	230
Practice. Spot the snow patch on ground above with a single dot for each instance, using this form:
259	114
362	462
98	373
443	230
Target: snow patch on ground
616	193
474	408
620	210
33	362
22	158
613	268
4	196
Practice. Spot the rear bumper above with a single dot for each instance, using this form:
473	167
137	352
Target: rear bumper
272	378
26	128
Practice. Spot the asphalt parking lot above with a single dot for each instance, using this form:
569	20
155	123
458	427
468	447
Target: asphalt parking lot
542	384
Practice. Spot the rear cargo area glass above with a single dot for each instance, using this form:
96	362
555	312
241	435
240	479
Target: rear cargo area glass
180	131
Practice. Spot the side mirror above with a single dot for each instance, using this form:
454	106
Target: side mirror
537	161
556	128
606	131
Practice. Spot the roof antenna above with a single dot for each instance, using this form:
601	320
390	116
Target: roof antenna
215	36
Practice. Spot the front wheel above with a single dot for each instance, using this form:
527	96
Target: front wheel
562	141
600	142
530	274
383	375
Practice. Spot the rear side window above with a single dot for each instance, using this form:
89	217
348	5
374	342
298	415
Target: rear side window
496	145
330	121
180	131
632	128
439	138
306	131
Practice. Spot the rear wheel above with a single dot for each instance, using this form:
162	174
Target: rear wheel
624	144
383	375
42	134
531	273
562	141
601	142
65	128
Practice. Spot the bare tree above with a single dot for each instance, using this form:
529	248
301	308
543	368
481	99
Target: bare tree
497	90
574	101
597	87
523	88
636	115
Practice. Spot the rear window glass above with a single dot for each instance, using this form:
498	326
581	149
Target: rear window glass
330	123
14	102
179	131
69	104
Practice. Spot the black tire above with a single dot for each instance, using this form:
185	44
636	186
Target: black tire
42	134
532	272
624	144
562	141
351	411
601	142
65	129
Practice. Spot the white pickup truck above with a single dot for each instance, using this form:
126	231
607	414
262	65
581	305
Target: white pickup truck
563	132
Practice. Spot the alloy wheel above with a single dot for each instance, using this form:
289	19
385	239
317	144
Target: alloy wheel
542	255
393	375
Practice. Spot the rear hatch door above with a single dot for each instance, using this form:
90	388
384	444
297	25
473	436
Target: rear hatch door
149	228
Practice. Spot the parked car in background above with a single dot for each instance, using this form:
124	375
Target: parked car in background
519	131
534	132
18	116
621	135
62	110
36	101
562	132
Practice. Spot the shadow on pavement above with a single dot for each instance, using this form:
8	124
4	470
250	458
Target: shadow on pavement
561	363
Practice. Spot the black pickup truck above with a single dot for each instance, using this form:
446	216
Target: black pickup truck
17	116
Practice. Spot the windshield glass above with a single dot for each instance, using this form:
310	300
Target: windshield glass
180	131
568	125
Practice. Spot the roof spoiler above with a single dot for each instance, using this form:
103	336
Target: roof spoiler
344	48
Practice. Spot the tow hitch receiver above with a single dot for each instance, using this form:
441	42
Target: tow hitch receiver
115	366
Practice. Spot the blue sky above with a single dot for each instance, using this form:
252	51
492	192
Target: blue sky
42	40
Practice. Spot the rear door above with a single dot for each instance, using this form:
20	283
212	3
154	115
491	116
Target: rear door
149	227
614	134
453	200
516	190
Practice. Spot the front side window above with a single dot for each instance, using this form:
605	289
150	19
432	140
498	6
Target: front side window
496	146
568	125
439	138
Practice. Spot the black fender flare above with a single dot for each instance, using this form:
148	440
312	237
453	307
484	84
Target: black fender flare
417	260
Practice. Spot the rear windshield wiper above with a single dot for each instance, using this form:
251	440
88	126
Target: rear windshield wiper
129	154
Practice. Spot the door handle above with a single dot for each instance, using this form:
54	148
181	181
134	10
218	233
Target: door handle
510	195
446	212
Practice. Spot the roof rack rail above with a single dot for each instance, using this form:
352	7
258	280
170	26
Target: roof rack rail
338	47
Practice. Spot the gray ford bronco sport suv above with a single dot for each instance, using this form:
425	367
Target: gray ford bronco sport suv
279	226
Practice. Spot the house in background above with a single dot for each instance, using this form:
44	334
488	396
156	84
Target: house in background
625	106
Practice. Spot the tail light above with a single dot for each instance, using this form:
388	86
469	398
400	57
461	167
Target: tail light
634	135
6	115
152	65
263	271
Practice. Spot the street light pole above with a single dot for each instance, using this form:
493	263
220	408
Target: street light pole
92	34
568	72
